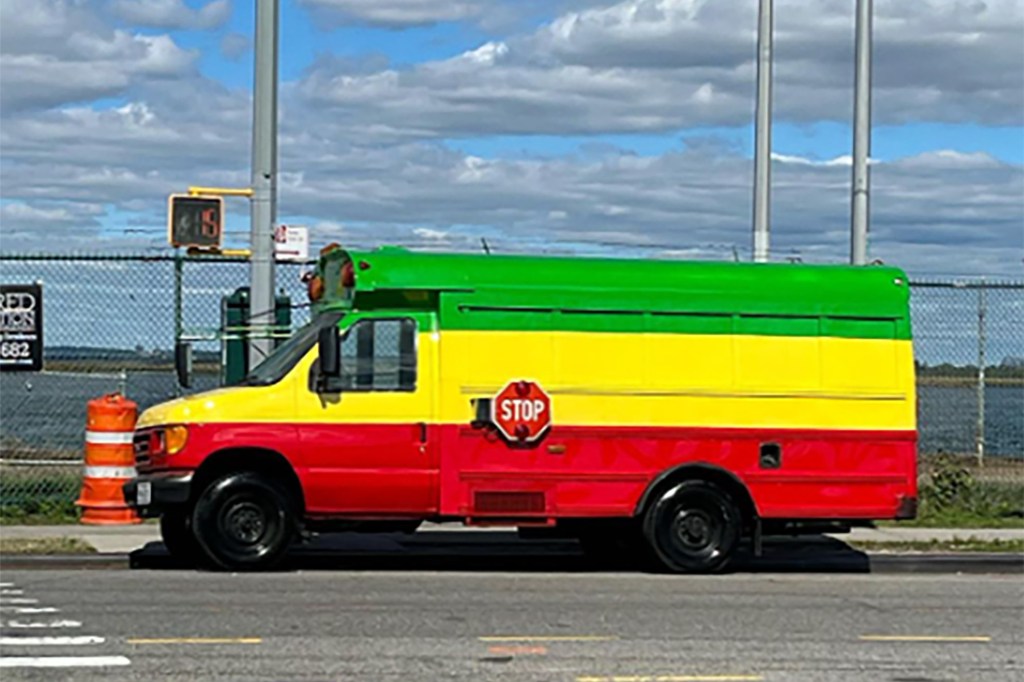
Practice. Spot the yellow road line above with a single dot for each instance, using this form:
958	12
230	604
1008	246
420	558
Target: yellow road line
517	650
548	638
671	678
197	640
925	638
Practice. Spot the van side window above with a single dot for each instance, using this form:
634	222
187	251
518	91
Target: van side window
379	355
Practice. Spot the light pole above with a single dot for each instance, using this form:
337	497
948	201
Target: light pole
763	133
263	208
860	204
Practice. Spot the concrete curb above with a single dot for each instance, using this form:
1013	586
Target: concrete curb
125	539
545	559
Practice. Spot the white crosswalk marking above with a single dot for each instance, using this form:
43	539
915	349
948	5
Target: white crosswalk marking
63	661
30	609
50	641
43	624
12	601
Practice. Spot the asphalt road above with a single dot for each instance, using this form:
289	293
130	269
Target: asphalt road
492	625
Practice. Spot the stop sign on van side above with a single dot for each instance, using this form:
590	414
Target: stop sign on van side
521	411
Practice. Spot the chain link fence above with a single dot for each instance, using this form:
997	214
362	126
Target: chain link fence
969	351
111	323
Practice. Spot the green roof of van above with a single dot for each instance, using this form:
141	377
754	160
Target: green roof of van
495	291
868	291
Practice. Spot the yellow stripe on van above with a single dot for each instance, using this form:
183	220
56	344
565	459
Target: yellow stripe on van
689	379
608	379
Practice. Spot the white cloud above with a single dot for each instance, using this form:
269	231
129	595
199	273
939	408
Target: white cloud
57	52
397	13
172	14
23	214
844	160
660	65
37	226
358	163
234	45
427	233
948	158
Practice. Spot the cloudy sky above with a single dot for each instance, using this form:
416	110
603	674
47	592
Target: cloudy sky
541	125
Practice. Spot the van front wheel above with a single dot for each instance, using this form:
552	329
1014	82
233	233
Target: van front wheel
176	532
693	527
243	522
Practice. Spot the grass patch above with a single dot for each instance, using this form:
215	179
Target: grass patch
39	513
45	546
968	544
954	495
39	496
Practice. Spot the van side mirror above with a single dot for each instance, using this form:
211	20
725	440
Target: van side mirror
183	363
330	355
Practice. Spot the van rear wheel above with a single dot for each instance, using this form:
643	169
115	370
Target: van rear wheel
693	527
244	522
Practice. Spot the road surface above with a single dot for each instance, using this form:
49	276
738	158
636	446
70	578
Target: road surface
490	625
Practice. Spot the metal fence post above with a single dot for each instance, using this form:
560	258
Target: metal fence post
179	276
981	372
179	266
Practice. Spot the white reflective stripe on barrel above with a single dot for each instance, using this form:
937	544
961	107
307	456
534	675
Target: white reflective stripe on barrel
108	437
109	472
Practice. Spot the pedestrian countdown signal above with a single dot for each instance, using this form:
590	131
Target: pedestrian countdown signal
195	221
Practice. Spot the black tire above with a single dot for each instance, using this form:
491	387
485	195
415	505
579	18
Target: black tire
244	522
176	532
693	527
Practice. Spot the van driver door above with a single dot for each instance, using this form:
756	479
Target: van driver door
371	448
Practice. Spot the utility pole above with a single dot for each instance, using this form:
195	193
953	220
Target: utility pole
860	205
264	182
763	132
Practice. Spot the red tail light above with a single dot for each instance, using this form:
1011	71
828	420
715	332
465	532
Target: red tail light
315	288
348	275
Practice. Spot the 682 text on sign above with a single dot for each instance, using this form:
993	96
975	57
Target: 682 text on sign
21	327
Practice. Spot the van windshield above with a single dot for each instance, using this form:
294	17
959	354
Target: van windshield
283	358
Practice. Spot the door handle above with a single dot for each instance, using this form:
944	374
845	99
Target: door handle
423	432
557	449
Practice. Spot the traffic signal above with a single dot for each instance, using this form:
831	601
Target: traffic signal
195	221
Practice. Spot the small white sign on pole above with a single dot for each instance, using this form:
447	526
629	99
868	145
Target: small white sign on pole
291	242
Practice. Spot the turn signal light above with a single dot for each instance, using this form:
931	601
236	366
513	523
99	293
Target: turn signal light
175	438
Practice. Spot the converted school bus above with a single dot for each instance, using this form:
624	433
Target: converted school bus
680	407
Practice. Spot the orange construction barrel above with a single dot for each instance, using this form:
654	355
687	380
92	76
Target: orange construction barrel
109	461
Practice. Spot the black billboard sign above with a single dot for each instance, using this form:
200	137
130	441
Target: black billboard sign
195	221
21	327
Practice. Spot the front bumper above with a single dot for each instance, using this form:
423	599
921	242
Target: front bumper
166	489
